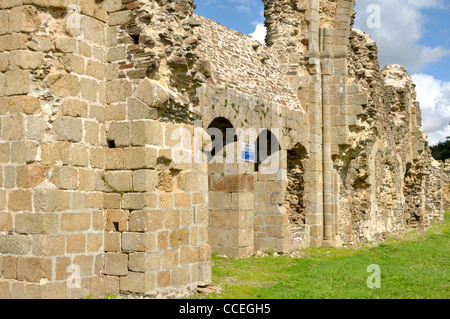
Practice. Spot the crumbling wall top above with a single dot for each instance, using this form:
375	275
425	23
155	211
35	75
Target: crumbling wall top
241	63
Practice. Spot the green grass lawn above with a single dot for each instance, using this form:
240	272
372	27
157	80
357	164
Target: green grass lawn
413	265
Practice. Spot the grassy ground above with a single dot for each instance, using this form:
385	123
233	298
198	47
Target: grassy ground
413	265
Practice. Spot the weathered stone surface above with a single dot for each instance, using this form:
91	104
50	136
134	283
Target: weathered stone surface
90	174
152	94
17	82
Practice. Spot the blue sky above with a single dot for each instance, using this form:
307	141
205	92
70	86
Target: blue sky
412	33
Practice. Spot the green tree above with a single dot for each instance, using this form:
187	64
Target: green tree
441	151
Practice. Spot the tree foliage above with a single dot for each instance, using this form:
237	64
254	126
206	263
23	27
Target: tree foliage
441	151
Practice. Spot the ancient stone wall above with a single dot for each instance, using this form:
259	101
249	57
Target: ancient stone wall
446	191
105	106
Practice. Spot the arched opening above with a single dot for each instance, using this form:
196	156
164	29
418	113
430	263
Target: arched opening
222	133
266	145
294	201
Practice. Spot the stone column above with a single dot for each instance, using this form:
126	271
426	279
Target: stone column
231	206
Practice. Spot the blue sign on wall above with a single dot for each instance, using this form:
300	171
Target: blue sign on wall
248	153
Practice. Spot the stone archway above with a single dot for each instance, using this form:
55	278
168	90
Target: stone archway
295	203
230	193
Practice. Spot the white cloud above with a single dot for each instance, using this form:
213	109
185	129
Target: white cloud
434	98
400	31
398	36
427	3
260	32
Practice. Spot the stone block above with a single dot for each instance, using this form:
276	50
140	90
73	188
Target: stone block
2	85
113	5
5	152
116	54
189	255
116	112
187	181
45	245
15	244
86	179
17	82
152	94
120	181
5	290
10	3
116	264
171	219
116	220
29	176
6	223
138	282
23	152
170	259
140	110
76	243
163	240
68	129
65	177
95	69
112	200
93	29
66	85
98	217
36	223
34	269
89	89
4	22
145	262
179	237
35	128
91	132
13	42
24	19
135	201
72	222
51	200
146	220
146	133
114	159
25	60
144	180
182	200
140	157
118	91
163	279
74	108
97	157
138	241
119	18
13	127
66	44
180	276
112	241
120	133
20	200
86	264
9	267
4	62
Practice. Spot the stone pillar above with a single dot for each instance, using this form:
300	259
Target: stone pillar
325	48
231	206
314	175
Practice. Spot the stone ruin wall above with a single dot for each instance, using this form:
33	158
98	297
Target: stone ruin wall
446	173
83	181
87	113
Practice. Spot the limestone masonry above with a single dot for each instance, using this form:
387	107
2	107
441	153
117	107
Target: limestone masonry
93	199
